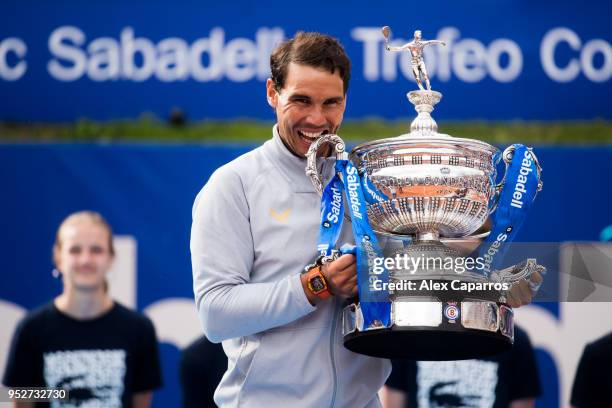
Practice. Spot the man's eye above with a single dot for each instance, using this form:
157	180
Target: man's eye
301	100
75	250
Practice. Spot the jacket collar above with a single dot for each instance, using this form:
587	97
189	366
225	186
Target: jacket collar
293	168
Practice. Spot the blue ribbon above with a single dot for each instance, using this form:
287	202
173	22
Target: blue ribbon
332	215
514	202
375	305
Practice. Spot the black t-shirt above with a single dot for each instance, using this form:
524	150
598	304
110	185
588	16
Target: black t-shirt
491	382
102	361
201	368
593	382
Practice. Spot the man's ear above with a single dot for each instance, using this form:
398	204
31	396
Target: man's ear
271	93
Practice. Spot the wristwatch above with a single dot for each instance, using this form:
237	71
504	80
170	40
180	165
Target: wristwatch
317	284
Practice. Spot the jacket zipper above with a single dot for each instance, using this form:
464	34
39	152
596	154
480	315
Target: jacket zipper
331	354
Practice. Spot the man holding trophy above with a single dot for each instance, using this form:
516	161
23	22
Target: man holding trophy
270	280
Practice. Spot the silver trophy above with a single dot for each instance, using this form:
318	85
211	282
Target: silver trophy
438	191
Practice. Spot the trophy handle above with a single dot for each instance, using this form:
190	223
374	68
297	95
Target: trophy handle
539	171
507	156
311	158
517	273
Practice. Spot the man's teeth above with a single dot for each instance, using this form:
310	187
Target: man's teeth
310	135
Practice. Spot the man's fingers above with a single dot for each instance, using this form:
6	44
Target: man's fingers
348	272
343	262
347	286
535	281
352	281
343	283
537	277
341	275
351	286
511	298
524	292
519	294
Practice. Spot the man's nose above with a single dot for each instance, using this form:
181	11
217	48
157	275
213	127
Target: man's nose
316	116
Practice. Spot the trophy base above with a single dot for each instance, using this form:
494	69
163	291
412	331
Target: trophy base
429	329
426	343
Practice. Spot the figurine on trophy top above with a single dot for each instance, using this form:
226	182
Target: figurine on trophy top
425	99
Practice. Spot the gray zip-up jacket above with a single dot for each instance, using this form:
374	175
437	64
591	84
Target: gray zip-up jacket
255	227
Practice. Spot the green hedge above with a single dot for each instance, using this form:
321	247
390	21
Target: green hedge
150	129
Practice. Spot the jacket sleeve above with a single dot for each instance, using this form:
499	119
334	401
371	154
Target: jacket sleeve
222	255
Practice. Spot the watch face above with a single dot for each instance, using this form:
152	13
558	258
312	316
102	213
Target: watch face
317	284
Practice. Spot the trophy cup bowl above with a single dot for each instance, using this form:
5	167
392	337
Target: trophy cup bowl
439	186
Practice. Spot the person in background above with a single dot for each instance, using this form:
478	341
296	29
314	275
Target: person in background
593	382
201	367
507	380
83	341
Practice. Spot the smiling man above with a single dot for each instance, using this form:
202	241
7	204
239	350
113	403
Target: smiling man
279	324
309	101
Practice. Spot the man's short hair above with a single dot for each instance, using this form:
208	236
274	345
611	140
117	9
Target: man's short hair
314	50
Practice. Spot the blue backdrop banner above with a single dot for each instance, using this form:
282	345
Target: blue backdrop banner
504	59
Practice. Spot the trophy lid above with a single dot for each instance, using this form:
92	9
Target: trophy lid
423	129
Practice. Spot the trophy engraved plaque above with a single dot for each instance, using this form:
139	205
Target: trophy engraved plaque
428	195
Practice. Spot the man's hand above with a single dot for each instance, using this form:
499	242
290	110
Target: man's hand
341	276
521	293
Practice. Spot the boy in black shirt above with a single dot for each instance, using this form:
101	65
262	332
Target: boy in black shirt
102	353
201	366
